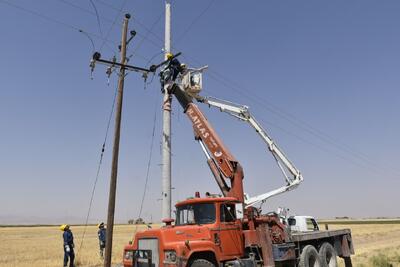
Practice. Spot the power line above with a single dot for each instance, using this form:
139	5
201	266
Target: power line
59	22
195	20
148	32
69	26
276	110
90	39
149	161
98	169
273	108
143	39
113	23
108	5
329	151
261	102
97	16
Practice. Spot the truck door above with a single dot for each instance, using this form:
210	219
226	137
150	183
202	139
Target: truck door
230	233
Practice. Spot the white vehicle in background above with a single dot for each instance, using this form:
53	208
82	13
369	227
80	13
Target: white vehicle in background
297	223
301	223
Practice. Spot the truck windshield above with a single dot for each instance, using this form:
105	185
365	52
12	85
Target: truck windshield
202	213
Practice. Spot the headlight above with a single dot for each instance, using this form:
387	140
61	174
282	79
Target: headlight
128	255
170	256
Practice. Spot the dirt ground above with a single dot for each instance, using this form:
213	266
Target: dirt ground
375	245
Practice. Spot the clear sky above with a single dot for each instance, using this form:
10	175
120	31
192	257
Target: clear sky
321	76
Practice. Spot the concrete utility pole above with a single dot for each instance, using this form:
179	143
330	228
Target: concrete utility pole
114	168
166	135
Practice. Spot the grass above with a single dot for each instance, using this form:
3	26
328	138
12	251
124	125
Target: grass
376	245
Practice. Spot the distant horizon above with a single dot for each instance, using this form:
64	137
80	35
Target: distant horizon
57	222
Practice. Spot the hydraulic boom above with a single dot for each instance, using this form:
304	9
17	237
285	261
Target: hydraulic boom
222	163
242	112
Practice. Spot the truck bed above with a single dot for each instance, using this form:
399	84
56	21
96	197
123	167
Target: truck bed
312	235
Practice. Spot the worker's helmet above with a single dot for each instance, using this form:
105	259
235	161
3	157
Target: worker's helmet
170	55
100	225
64	227
183	66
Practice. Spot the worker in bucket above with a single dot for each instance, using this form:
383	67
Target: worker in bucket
68	238
171	71
102	238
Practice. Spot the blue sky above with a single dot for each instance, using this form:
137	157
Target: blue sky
321	76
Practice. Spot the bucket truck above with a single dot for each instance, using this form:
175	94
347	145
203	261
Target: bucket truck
229	230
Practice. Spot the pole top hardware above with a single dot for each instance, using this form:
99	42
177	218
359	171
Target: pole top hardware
97	58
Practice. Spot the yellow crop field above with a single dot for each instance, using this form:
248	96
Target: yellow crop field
375	245
43	246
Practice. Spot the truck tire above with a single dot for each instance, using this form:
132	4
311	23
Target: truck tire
328	255
202	263
309	257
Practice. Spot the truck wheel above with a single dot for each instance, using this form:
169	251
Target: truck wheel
328	255
202	263
309	257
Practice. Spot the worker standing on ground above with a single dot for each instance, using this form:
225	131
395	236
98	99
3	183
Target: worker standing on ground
102	238
68	238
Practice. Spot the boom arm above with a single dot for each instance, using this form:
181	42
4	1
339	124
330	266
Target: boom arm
222	163
242	112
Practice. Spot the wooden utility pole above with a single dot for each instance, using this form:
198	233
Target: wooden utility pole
114	167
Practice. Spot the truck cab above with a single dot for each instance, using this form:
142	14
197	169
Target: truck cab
206	230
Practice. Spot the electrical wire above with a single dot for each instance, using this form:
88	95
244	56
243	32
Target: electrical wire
141	42
108	5
105	40
194	21
97	16
279	112
222	80
149	161
45	17
266	105
98	170
90	39
147	33
113	23
270	107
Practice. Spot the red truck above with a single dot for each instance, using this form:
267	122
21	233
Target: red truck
228	230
